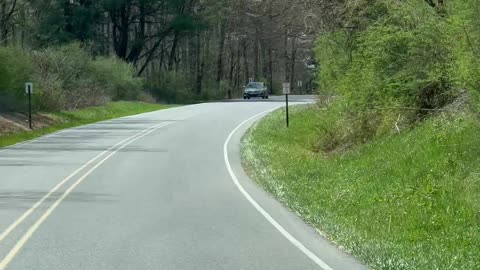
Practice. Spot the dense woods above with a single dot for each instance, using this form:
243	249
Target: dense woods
184	50
375	54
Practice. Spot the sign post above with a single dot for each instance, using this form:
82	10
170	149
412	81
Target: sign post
286	92
28	91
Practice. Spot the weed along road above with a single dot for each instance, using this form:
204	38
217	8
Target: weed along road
161	190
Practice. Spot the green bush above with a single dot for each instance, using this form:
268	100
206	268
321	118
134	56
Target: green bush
64	79
68	78
117	78
399	61
213	93
170	87
15	71
464	30
174	87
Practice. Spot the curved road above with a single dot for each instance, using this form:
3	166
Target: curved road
162	190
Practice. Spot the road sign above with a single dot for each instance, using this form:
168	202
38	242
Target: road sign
28	88
286	88
286	92
29	91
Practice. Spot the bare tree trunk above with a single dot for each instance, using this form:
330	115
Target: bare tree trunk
270	68
139	44
3	24
173	51
206	58
6	13
245	60
264	58
232	69
14	34
161	59
193	63
188	60
237	72
108	37
256	55
221	48
285	56
292	62
199	64
120	31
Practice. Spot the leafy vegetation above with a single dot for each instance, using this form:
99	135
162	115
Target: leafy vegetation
388	166
395	62
408	201
15	70
213	46
172	87
68	119
65	78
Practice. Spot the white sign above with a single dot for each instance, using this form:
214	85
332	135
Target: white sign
28	88
286	88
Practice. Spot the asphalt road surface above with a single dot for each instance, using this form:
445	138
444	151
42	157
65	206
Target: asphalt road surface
161	190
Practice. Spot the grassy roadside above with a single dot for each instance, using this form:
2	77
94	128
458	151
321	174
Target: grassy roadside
409	201
82	117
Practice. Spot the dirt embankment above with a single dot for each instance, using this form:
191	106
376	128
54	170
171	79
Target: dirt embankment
16	122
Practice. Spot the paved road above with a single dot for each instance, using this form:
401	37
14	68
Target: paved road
161	190
292	98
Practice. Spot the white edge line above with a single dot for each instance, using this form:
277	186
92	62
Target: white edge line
27	213
18	246
262	211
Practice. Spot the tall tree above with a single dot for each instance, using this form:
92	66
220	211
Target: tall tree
7	11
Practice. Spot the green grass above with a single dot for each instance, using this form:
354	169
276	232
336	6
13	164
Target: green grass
408	201
85	116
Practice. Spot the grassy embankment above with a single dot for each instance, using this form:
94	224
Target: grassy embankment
68	119
405	201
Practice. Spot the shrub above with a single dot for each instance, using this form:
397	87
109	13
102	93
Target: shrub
15	71
213	93
170	87
395	65
64	79
117	78
68	78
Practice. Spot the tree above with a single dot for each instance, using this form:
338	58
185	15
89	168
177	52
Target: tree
7	11
65	21
216	45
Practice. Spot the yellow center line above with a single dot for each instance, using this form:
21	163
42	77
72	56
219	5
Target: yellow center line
18	246
27	213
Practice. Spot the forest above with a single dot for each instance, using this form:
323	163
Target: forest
84	52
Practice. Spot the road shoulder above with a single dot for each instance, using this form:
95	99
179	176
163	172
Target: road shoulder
293	224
